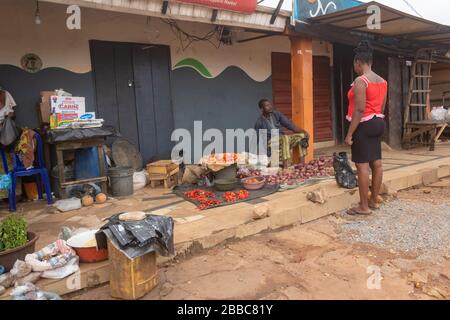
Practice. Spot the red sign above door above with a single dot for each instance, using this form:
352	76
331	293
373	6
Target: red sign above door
243	6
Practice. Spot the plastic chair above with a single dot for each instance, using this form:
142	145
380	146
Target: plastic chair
20	171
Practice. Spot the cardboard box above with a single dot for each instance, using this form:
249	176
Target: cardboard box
68	105
61	119
44	112
45	96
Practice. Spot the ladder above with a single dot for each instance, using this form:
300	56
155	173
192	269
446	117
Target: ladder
419	88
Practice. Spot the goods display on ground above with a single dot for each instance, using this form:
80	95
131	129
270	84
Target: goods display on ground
321	168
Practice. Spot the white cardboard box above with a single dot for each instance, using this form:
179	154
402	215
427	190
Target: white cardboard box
60	104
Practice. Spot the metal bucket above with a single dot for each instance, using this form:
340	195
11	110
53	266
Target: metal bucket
121	181
69	175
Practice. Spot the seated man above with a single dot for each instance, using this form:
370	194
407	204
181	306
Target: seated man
271	119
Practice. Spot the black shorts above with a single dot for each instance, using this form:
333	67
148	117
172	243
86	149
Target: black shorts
367	141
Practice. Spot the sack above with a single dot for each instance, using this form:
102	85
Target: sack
345	177
68	204
20	269
140	180
439	114
9	132
51	257
60	273
193	173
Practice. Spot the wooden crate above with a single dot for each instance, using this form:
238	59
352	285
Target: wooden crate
164	167
169	180
131	279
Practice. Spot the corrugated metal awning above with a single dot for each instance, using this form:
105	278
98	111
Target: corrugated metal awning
259	20
394	24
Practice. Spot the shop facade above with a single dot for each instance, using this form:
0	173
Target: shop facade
148	75
406	48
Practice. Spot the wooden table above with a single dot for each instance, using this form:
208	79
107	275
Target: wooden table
80	144
426	132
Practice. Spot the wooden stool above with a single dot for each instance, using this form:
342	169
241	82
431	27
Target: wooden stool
164	171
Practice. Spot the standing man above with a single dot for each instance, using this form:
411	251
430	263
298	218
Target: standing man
271	119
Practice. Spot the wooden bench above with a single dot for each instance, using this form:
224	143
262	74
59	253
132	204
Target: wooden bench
425	133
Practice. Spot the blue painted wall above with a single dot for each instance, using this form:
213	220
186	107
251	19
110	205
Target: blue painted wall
229	101
25	87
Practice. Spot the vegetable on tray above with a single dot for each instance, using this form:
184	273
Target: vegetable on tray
207	199
322	167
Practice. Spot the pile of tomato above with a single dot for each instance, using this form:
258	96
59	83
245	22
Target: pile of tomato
225	157
235	196
209	203
207	199
199	195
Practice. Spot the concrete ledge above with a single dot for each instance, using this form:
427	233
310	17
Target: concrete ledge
286	209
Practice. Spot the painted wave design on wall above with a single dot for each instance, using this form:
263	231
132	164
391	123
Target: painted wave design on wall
194	64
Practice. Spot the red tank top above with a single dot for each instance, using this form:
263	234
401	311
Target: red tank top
375	94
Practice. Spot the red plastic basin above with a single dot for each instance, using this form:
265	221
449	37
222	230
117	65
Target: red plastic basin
87	254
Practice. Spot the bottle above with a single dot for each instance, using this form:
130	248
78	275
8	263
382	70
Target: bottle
53	120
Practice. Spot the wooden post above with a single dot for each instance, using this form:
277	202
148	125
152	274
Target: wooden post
302	88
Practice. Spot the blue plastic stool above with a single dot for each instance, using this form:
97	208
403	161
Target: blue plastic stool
20	171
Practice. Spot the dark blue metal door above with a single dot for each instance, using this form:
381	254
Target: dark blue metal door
133	94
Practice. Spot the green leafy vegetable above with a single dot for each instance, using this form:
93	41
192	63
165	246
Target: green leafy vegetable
13	232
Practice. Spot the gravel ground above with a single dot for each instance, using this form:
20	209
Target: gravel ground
410	226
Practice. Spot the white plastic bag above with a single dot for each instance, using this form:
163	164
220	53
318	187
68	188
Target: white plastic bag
20	269
140	180
60	273
61	254
68	204
255	159
62	93
67	233
448	115
439	114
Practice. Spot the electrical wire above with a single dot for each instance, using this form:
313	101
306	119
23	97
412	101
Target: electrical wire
412	8
186	39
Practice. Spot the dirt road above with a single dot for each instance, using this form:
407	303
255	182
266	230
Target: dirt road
401	252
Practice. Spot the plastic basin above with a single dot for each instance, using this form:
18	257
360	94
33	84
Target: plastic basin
246	182
87	254
9	257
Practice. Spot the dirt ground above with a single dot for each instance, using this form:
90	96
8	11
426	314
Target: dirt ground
322	259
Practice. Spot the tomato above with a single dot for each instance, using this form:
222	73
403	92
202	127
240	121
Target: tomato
207	199
243	194
235	196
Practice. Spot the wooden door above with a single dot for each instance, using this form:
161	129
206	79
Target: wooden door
282	92
323	125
